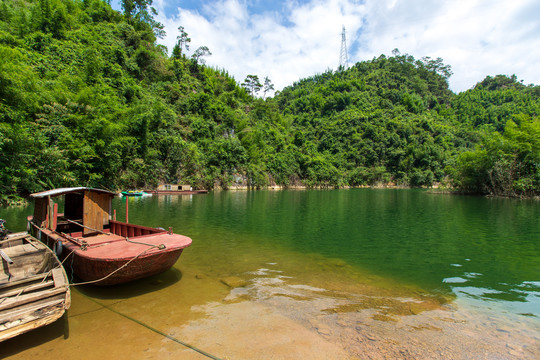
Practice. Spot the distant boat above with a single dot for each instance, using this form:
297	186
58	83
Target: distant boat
133	193
104	251
176	189
34	288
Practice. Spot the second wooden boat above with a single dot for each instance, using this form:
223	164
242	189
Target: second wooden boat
34	288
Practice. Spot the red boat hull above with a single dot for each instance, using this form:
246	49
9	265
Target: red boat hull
115	258
115	271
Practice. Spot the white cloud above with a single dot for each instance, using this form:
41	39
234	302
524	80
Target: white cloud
476	37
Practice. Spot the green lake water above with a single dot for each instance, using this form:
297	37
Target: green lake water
484	248
475	252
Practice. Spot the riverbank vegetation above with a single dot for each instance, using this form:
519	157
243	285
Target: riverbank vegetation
88	98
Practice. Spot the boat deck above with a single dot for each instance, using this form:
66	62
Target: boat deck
115	246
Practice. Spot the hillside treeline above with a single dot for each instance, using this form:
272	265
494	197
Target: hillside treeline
88	98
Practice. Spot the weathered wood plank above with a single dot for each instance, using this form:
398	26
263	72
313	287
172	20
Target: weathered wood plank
26	311
30	301
25	250
20	329
25	299
96	210
14	238
5	257
59	278
9	284
30	288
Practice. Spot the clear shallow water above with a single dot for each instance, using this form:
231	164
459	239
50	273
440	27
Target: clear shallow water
346	252
482	248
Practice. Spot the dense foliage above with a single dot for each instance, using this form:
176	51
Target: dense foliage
506	160
395	120
88	98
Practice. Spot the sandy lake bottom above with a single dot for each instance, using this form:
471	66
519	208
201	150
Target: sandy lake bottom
317	308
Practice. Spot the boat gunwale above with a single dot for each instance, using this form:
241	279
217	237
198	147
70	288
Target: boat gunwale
117	242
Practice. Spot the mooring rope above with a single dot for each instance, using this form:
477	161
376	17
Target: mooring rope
194	348
151	246
160	246
110	274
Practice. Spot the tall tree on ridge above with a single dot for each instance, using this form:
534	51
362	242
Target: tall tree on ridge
252	84
268	86
182	42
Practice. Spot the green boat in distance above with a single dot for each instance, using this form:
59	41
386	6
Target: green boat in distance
134	193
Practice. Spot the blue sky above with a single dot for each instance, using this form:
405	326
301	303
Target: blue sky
254	6
290	40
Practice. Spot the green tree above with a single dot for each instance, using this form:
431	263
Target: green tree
199	54
267	87
252	84
506	164
182	41
141	11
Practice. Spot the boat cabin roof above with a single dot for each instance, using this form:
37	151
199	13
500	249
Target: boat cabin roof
89	208
63	191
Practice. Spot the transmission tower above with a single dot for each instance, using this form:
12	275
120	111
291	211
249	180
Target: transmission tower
343	58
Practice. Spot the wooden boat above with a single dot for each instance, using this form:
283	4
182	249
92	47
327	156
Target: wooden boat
100	249
34	288
177	192
176	189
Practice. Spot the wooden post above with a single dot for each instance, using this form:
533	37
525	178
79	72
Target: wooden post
114	214
55	217
127	217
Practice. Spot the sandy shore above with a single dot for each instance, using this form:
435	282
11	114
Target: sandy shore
327	311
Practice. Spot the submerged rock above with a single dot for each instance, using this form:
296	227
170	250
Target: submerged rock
234	282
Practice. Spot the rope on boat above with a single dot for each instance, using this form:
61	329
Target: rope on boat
110	274
160	246
194	348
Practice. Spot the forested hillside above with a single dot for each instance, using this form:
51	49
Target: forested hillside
395	120
88	98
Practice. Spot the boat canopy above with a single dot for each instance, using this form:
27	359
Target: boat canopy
63	191
89	208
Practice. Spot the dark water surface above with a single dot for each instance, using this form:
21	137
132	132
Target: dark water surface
481	256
